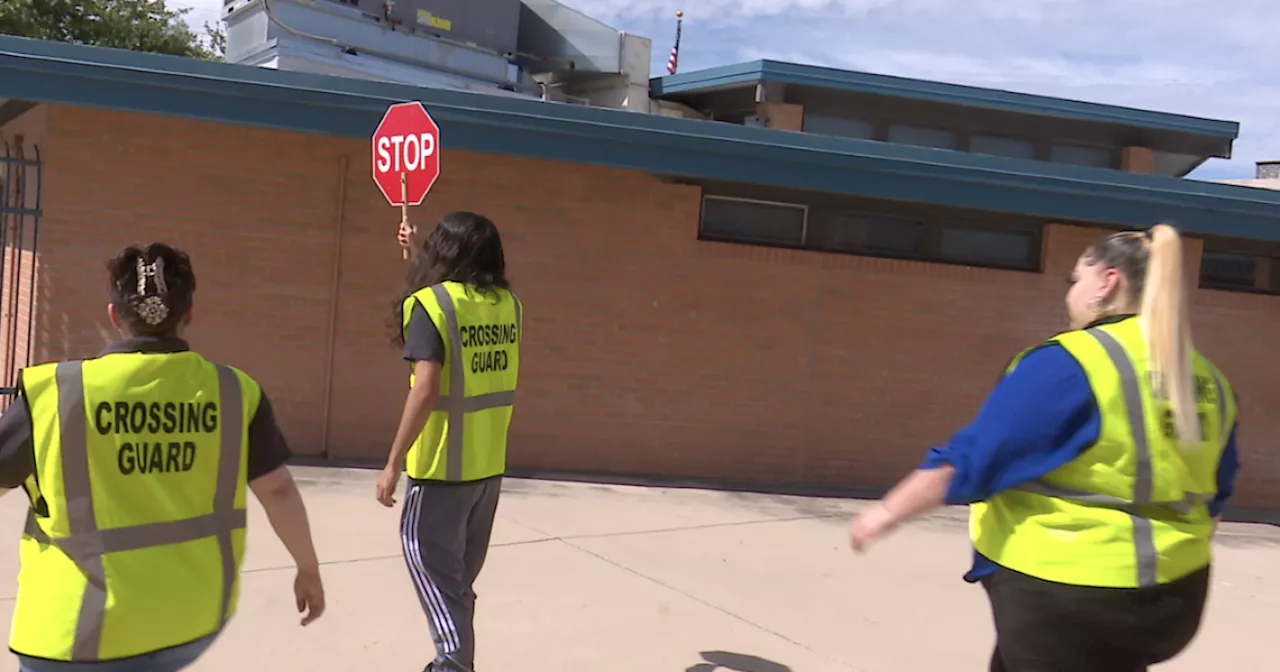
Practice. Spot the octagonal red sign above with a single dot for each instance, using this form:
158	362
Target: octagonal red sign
407	141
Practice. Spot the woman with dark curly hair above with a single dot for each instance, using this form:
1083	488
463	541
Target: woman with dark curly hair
459	326
137	463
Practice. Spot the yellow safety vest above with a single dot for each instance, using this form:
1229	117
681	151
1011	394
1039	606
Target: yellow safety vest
136	533
1132	510
465	438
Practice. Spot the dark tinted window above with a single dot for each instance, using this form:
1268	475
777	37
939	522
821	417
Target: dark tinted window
856	232
1227	269
922	137
997	146
752	221
905	231
839	126
988	247
1080	155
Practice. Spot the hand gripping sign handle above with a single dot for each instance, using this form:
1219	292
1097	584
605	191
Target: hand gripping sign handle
404	212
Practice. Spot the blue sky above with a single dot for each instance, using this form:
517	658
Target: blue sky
1197	57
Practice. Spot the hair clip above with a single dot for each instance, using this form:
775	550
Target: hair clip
152	310
150	306
155	271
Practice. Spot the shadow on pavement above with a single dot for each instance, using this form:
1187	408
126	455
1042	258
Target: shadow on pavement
724	661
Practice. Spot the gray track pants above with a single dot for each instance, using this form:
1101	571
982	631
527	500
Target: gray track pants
444	531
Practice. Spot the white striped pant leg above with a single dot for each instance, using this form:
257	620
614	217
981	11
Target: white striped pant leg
479	530
433	537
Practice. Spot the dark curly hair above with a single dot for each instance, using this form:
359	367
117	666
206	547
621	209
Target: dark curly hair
464	247
156	305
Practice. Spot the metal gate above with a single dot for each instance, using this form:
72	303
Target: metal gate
20	173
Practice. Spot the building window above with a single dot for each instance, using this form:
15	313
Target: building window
1239	272
1228	270
922	137
997	146
860	233
838	126
1081	155
1009	248
833	228
750	221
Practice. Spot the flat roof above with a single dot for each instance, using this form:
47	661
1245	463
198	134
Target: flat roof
35	70
753	72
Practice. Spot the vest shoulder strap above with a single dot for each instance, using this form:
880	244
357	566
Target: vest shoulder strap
250	389
1017	359
33	381
1228	402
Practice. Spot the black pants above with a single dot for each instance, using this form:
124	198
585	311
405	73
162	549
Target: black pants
445	532
1043	626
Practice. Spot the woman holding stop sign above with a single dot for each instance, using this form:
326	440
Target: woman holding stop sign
459	326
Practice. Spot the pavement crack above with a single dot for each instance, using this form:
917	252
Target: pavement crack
324	563
663	530
568	541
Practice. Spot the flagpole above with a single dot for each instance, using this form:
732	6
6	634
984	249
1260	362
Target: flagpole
673	63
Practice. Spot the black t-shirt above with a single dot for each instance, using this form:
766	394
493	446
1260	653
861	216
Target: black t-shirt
267	450
423	342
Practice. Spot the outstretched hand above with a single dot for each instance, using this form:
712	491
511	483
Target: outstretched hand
869	525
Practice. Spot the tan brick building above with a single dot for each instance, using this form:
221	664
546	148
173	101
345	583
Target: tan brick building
655	347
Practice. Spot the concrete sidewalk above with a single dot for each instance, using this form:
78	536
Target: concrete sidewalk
624	579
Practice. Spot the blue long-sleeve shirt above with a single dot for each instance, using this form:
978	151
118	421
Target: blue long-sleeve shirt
1039	417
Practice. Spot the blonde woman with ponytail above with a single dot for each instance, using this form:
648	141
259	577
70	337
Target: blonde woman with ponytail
1095	472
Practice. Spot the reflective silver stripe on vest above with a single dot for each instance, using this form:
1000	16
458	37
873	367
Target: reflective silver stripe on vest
1224	432
1144	538
456	403
1181	507
1143	535
86	544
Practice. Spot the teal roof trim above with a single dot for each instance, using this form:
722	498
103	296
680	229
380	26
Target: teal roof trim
89	76
955	94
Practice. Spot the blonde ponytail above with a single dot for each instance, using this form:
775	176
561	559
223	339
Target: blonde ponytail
1166	321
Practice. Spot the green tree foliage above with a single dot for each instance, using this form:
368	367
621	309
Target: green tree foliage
137	25
217	39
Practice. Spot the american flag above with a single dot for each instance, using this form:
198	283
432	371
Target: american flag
673	63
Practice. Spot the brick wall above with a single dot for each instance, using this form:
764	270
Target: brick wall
647	351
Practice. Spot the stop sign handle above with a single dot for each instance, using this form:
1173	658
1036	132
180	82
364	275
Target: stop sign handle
404	211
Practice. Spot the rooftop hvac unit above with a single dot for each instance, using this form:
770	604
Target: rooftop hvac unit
487	23
346	38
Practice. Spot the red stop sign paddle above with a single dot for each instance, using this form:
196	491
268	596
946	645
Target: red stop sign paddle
406	156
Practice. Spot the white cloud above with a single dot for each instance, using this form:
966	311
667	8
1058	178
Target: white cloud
201	11
1196	57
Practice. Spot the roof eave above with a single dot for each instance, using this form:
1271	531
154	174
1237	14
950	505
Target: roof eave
650	143
683	85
